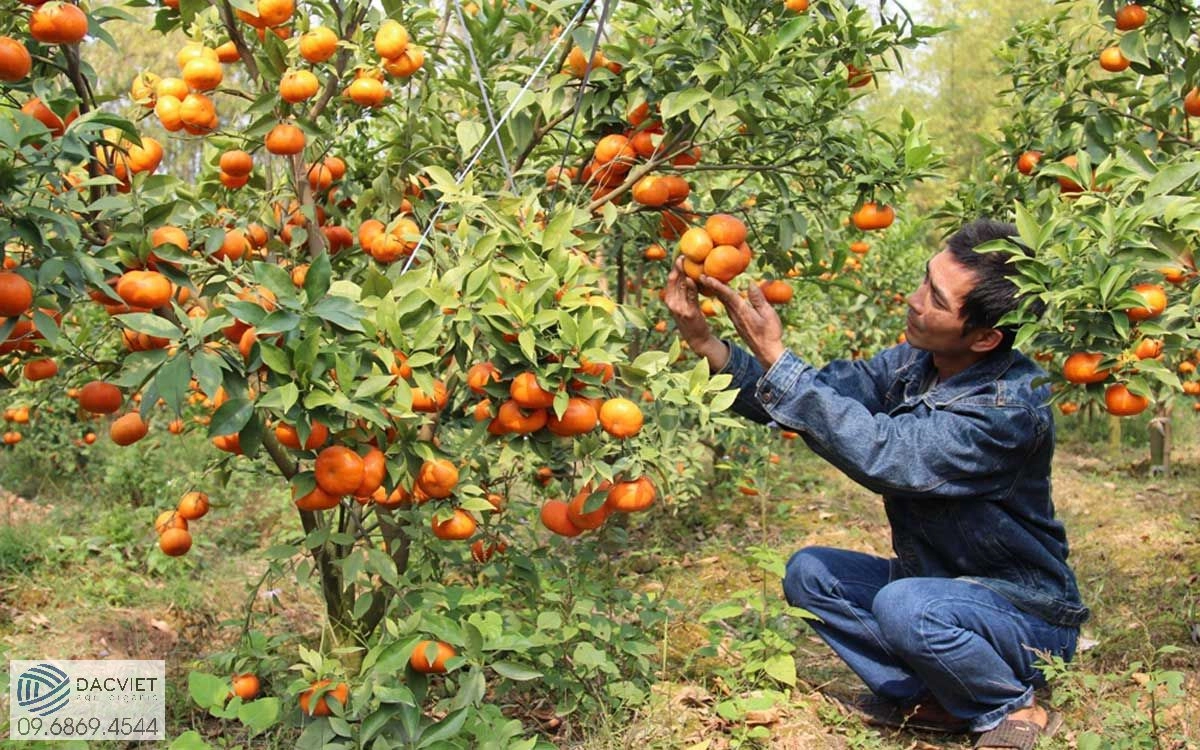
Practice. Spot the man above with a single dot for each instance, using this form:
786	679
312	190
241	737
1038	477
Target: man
950	429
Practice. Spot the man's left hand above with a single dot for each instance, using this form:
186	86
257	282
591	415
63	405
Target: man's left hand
755	320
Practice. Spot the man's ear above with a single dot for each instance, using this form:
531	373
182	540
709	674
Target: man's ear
986	339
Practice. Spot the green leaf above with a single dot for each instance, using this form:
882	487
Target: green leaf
469	133
231	417
782	667
279	321
723	612
316	281
681	101
1172	177
341	312
189	740
260	714
207	690
206	368
514	671
150	324
173	379
282	397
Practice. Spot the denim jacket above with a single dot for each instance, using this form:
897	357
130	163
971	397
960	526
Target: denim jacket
963	466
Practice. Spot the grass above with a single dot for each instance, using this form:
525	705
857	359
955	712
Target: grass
79	576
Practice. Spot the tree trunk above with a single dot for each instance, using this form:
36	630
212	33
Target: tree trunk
1160	443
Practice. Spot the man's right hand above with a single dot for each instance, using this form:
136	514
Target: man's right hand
683	302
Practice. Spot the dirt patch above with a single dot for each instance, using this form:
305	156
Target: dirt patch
16	510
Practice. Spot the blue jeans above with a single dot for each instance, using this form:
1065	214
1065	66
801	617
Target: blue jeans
908	638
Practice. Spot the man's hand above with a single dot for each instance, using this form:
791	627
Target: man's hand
755	320
684	305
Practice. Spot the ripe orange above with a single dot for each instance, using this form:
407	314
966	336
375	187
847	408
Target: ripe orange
168	234
726	261
202	74
246	686
479	375
1122	403
285	139
777	292
528	394
289	437
655	252
275	12
1156	302
193	505
339	693
374	472
40	369
127	429
459	526
725	230
554	517
227	52
1027	161
578	418
1130	17
391	40
511	418
36	109
1191	103
421	662
318	44
695	244
318	499
298	85
437	478
149	289
406	64
588	520
430	404
632	496
621	417
175	542
367	92
16	294
796	6
873	215
58	23
169	519
15	60
339	470
614	148
1081	368
1068	408
1148	348
483	552
236	163
99	397
1113	60
651	190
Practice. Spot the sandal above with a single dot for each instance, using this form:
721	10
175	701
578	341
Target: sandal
881	712
1018	734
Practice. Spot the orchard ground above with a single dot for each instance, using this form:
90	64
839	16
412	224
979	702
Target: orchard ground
80	576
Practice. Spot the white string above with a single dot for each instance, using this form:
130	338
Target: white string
487	105
458	179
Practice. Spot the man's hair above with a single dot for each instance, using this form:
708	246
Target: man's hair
994	294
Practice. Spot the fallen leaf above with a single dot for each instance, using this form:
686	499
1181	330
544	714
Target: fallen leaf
762	717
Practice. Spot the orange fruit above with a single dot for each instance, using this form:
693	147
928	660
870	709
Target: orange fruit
614	148
872	215
391	39
554	517
511	418
316	500
1081	368
275	12
175	542
202	74
193	505
236	163
169	519
1130	17
1119	401
587	520
1027	161
100	398
578	418
620	417
298	85
58	23
246	686
420	661
479	375
289	437
858	77
40	369
15	60
726	261
725	230
149	289
458	527
318	44
339	470
285	139
1148	349
1191	103
526	392
695	244
437	478
777	292
430	404
1113	60
374	472
16	294
339	693
651	190
632	496
1156	302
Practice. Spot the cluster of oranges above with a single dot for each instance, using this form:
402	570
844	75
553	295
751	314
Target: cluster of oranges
1127	18
182	102
718	249
17	415
573	518
174	539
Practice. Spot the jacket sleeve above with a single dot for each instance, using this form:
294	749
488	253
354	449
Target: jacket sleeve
955	452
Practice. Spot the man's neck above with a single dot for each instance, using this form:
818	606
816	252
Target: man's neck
948	366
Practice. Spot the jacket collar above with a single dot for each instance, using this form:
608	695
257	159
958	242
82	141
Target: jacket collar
919	366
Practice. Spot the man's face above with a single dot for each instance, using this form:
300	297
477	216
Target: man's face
934	320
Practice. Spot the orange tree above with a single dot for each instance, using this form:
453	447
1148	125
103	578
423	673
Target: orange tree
1098	168
399	277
